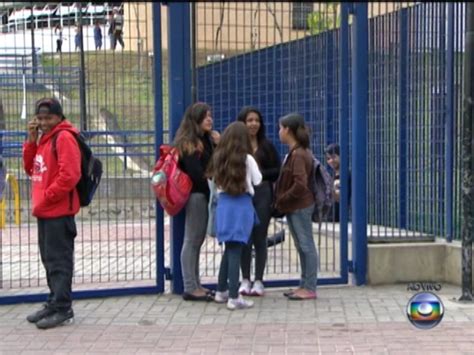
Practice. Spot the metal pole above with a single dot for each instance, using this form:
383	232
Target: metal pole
179	40
450	107
359	141
33	50
344	136
467	229
193	52
403	110
158	94
82	79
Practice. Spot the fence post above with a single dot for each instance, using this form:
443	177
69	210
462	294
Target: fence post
82	79
468	158
179	33
402	109
158	106
344	135
329	87
359	141
449	123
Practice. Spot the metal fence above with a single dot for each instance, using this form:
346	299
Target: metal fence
415	89
109	95
280	57
271	56
415	80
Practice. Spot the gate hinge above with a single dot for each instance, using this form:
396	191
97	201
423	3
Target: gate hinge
168	274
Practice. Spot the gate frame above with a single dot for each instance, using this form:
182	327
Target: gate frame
180	84
159	219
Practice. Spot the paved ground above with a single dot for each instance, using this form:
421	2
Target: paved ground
343	319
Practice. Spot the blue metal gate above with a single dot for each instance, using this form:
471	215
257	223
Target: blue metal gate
112	90
248	54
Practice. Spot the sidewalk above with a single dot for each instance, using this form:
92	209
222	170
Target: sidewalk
355	320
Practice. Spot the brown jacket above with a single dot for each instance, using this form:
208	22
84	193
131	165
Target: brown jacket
292	190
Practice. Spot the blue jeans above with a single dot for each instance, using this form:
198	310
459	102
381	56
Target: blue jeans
301	228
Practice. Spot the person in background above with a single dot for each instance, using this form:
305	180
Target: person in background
58	31
235	173
118	29
110	32
295	198
78	38
268	161
333	158
97	36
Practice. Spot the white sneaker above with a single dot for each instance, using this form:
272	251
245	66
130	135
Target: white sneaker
258	289
221	297
238	303
245	286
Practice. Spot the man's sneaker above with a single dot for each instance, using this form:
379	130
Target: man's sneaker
245	286
221	297
56	319
38	315
238	303
257	289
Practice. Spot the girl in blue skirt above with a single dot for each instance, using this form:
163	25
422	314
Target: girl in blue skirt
235	173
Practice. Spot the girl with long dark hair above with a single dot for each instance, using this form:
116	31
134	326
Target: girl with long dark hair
268	161
235	173
195	142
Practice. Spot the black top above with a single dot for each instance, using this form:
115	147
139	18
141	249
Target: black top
195	166
268	161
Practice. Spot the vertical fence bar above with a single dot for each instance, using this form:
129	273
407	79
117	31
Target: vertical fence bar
329	88
467	230
449	123
344	135
158	106
179	33
82	83
359	140
402	107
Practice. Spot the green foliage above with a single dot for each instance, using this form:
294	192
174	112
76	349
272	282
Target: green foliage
323	20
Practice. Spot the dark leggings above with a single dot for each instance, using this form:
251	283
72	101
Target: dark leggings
229	270
262	201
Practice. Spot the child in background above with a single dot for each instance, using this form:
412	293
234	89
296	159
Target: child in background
235	173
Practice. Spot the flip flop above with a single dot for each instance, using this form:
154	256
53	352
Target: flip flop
294	297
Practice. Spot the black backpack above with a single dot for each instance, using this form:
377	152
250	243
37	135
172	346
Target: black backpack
91	170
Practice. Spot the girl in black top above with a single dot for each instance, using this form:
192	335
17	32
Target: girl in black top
195	142
269	163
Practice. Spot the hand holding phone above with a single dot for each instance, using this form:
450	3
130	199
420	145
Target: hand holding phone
33	127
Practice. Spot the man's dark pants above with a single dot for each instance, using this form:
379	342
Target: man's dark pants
56	244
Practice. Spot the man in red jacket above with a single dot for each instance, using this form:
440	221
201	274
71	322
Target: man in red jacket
55	169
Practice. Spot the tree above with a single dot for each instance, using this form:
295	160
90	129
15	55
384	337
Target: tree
323	20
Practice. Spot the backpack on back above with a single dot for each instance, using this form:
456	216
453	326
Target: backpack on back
91	170
171	185
323	187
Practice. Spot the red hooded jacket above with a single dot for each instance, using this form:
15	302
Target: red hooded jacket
54	177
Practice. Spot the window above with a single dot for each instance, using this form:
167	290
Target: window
300	11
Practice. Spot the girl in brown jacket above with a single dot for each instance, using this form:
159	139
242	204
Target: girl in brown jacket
295	198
